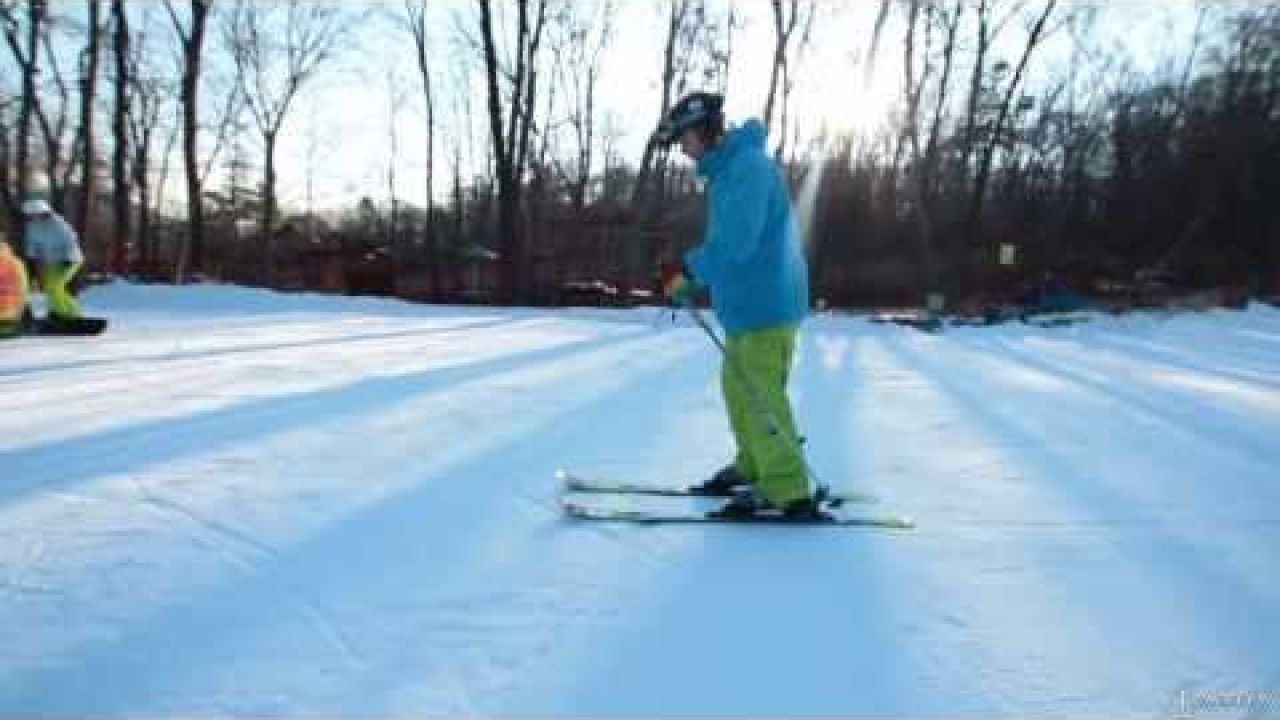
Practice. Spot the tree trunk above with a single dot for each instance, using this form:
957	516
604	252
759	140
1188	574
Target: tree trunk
142	165
779	56
120	157
56	175
911	134
393	133
8	202
508	201
780	77
931	149
146	117
417	22
984	167
429	228
193	44
88	90
30	63
975	89
266	231
881	17
527	106
676	20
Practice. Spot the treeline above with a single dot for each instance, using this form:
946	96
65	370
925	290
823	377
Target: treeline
1107	186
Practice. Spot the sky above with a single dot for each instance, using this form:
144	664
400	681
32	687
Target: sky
350	109
629	91
339	134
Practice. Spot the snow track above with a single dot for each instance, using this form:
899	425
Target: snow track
237	502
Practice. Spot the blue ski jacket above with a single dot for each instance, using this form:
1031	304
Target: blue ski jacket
51	240
751	258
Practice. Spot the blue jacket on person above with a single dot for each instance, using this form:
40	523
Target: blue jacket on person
50	239
751	258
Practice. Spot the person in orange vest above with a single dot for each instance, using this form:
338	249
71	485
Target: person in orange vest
14	311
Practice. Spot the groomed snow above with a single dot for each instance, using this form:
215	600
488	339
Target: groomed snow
244	502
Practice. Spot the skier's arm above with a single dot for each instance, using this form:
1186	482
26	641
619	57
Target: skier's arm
738	213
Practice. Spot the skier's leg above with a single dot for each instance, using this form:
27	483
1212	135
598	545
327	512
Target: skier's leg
737	403
764	357
55	277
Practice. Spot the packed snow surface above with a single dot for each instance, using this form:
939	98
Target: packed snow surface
244	502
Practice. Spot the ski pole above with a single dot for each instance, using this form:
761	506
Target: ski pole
757	399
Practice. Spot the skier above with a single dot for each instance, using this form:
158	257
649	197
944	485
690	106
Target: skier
14	311
752	263
52	245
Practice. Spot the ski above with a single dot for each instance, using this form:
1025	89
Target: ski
71	326
582	511
577	483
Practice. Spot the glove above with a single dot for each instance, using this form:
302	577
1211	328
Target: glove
677	286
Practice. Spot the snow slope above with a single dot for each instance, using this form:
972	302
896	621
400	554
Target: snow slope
241	502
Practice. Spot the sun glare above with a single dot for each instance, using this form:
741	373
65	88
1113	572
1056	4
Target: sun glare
843	106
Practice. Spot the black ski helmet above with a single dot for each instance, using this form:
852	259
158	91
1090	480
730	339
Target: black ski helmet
693	110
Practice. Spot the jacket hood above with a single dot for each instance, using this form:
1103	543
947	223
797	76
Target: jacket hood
748	136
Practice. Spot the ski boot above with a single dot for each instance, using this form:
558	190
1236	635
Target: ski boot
750	504
725	483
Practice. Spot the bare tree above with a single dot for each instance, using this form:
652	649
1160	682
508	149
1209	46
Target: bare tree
678	13
227	118
191	37
988	28
882	17
395	104
149	91
53	119
582	53
121	187
911	92
507	185
277	48
510	134
416	21
85	135
913	88
463	119
7	200
724	56
924	162
26	54
950	18
984	165
787	18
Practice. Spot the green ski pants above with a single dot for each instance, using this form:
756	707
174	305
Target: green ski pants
754	377
54	278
